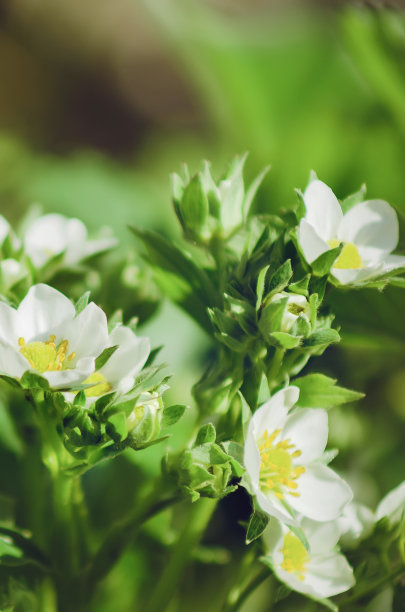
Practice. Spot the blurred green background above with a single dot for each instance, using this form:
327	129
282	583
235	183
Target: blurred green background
101	100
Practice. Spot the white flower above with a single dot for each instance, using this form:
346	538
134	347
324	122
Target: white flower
44	335
392	506
283	460
118	373
319	572
53	234
11	271
368	231
356	523
148	412
297	305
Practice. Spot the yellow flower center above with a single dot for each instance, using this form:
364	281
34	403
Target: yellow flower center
295	556
349	258
277	471
46	356
100	385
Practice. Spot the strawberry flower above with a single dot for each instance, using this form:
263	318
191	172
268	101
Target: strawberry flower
368	231
283	459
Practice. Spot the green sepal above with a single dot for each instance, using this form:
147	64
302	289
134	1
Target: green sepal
235	452
322	264
321	391
193	210
116	427
321	337
31	380
280	278
353	199
82	302
271	317
284	340
257	524
172	414
299	532
301	286
80	399
115	320
105	356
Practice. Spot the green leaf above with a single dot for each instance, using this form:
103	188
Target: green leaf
30	380
257	524
325	261
318	338
206	434
82	302
172	414
105	356
284	340
318	390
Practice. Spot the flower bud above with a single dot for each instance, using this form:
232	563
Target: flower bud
143	422
297	305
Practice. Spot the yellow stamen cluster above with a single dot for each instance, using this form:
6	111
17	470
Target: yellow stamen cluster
349	258
295	556
46	356
277	471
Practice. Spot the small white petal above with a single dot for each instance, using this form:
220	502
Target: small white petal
322	493
370	224
88	332
252	456
308	431
130	356
311	244
323	210
392	505
42	310
273	506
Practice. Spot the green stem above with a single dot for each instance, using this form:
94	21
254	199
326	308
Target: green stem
198	519
372	587
239	595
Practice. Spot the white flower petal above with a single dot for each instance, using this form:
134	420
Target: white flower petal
392	505
370	224
130	356
311	244
88	332
272	414
52	234
4	229
12	363
355	524
42	310
322	537
9	332
349	276
308	431
323	210
329	575
392	262
252	456
322	493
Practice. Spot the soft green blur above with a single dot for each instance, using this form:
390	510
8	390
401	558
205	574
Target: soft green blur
100	104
